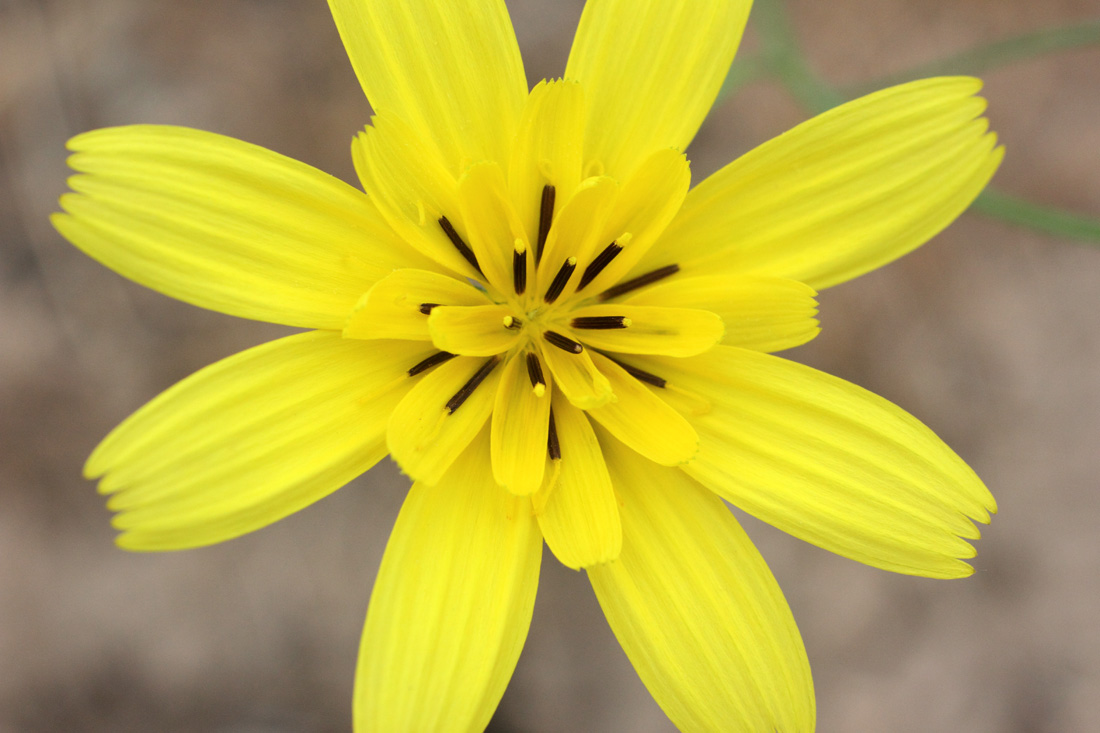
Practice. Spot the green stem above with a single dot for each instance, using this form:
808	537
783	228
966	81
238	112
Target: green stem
993	55
1033	216
783	59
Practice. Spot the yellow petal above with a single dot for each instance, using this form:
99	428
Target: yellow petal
451	605
548	149
696	609
644	207
841	194
647	329
414	191
492	225
520	419
642	420
452	70
395	306
759	313
651	70
226	225
579	514
829	462
251	439
480	330
439	417
577	377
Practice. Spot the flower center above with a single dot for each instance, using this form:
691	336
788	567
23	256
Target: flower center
540	323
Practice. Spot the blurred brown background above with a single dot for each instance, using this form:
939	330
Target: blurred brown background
989	334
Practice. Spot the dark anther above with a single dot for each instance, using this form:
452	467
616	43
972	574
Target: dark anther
513	323
640	374
560	280
639	282
553	447
534	369
603	259
462	247
601	322
546	216
426	308
468	389
563	342
519	267
434	360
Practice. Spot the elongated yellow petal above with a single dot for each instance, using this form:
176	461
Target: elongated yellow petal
579	514
439	417
452	70
451	605
651	70
696	609
577	377
226	225
251	439
481	330
520	419
829	462
842	193
413	190
548	150
643	209
397	306
759	313
642	420
644	329
492	225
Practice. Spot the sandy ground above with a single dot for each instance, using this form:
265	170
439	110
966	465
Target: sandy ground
989	334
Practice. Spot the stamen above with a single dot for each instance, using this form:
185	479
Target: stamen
640	374
603	259
512	322
426	308
601	322
468	389
461	246
639	282
519	266
560	280
553	447
563	342
434	360
534	370
546	215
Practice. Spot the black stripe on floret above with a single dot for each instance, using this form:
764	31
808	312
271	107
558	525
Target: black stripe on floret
553	447
558	284
640	374
534	369
435	359
599	322
603	259
460	245
519	269
546	216
468	389
639	282
563	342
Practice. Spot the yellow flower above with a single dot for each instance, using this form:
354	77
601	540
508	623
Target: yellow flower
555	338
